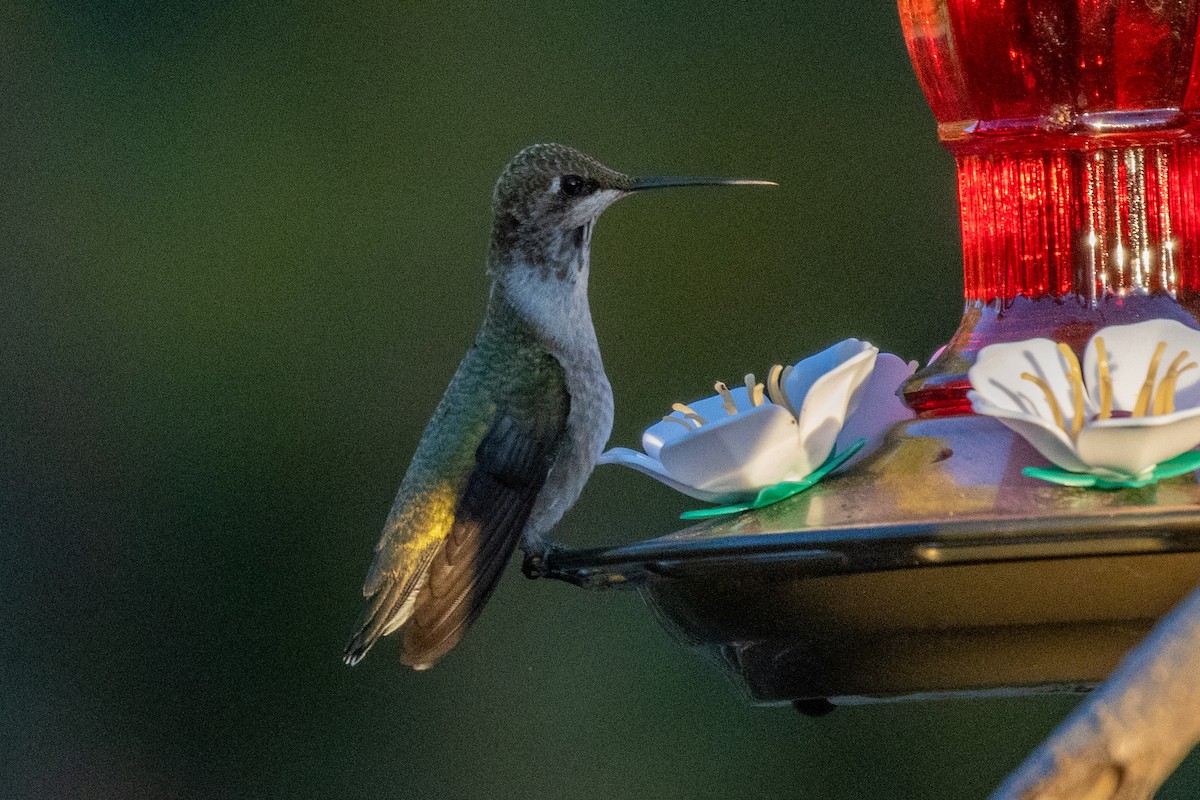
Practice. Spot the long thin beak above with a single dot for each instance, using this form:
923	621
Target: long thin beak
638	184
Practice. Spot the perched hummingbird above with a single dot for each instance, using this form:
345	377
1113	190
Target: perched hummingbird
525	417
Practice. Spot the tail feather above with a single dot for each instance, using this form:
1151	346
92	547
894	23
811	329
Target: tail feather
390	607
460	584
448	590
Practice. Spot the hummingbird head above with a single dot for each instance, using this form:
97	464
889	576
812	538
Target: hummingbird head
547	200
545	203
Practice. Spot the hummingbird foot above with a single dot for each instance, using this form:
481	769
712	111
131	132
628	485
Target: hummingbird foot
541	563
534	565
536	558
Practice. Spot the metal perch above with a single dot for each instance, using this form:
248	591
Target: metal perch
1131	734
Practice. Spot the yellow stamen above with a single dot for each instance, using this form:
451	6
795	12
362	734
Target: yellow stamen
1106	385
678	421
1076	375
755	389
775	389
1143	399
727	402
1050	399
1171	396
687	411
773	383
1166	387
1164	398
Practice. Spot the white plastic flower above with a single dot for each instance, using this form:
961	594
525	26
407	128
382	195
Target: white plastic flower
730	446
1133	404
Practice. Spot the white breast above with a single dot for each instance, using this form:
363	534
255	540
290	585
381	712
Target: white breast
589	424
559	309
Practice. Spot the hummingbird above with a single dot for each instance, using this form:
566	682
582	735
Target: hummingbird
523	421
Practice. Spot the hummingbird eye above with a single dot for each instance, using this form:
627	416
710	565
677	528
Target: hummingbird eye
574	185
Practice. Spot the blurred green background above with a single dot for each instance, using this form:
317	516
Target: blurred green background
242	249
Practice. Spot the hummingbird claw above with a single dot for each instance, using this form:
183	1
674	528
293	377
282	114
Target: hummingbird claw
537	558
540	563
534	565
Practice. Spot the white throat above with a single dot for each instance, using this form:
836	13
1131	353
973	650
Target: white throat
554	297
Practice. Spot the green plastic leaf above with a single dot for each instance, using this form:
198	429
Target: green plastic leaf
720	511
1132	483
1060	476
780	491
1179	465
1172	468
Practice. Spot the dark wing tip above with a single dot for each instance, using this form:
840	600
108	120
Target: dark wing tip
384	606
360	644
355	651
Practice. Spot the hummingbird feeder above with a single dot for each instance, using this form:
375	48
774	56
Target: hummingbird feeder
939	564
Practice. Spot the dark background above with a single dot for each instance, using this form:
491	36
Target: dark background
242	249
